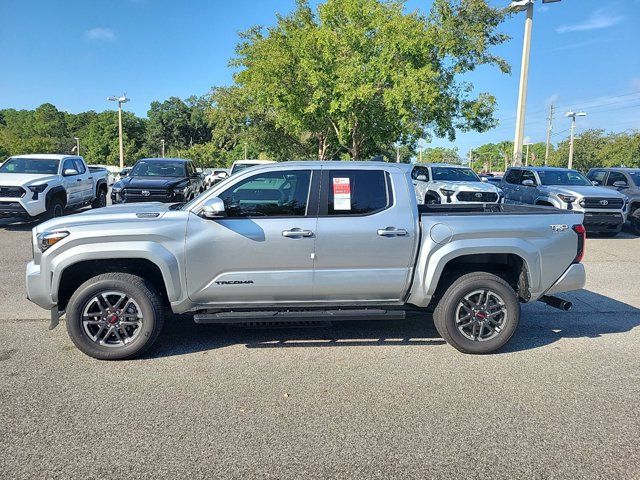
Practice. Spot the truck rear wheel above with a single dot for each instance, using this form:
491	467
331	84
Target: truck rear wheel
114	316
478	313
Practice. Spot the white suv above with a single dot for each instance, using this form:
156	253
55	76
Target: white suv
441	183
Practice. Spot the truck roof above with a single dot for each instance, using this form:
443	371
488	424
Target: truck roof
45	156
440	164
342	165
167	159
617	169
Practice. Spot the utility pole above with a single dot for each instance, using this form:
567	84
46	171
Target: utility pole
162	143
120	100
572	116
77	145
397	153
522	91
526	160
245	150
549	130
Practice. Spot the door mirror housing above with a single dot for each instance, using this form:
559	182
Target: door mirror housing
421	178
620	184
69	172
213	208
595	183
484	179
528	183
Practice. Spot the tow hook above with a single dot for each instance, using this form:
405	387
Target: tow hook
556	302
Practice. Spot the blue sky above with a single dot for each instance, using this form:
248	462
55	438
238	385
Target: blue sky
74	53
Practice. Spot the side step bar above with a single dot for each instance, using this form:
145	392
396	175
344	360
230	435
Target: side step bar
231	317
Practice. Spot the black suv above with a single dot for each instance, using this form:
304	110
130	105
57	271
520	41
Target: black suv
159	180
626	181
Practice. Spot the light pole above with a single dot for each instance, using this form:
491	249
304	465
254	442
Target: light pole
572	116
521	6
162	143
77	145
526	158
120	100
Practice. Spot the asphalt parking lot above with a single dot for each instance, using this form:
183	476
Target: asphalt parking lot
358	400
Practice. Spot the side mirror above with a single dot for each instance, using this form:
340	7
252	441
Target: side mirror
620	184
528	183
70	172
213	208
484	179
421	178
595	183
223	174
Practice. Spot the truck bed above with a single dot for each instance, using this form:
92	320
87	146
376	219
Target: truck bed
488	208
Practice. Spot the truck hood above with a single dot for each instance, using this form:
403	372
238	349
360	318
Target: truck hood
151	182
581	191
116	214
465	186
22	179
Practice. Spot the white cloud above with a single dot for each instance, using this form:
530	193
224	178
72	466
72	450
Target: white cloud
100	34
598	20
552	99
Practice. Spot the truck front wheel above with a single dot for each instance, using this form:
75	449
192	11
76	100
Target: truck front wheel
101	199
114	316
478	313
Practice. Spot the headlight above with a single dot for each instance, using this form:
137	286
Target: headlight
49	239
567	198
116	189
36	189
447	193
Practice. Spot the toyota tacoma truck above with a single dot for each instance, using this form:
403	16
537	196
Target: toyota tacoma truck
604	210
47	185
292	241
442	183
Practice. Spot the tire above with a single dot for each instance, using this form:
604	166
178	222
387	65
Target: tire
56	208
101	199
104	335
504	308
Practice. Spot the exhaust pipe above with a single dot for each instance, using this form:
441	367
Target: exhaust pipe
556	302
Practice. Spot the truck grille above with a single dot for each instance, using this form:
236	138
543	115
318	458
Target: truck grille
12	192
602	203
486	197
154	195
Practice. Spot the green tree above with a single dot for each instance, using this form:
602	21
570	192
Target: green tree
357	75
441	155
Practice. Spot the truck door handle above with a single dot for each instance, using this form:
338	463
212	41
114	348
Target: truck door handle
78	179
392	232
296	233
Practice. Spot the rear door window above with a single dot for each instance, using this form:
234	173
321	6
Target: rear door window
356	192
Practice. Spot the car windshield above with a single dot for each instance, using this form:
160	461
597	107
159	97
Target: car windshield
563	177
30	165
453	174
158	169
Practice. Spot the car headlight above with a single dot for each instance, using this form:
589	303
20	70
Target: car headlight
567	198
116	189
447	193
37	189
47	240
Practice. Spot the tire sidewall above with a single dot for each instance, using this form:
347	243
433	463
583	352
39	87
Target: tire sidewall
81	339
452	300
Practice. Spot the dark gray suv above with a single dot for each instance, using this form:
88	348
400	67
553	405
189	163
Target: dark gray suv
604	210
625	181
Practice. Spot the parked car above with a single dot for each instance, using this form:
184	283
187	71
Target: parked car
303	240
159	180
495	180
442	183
604	210
45	184
111	178
625	181
215	176
123	173
240	165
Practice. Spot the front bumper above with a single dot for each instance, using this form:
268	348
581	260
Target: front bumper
603	221
574	278
38	287
22	207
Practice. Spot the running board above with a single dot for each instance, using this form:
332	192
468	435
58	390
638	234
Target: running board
299	315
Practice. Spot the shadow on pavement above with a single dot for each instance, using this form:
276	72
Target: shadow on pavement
18	225
594	315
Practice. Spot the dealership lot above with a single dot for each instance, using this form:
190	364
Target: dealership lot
366	400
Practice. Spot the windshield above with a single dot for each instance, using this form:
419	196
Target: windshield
158	169
451	174
563	177
30	165
238	167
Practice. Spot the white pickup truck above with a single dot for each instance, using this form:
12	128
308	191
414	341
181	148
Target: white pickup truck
45	184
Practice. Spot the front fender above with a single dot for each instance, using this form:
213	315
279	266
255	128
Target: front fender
154	252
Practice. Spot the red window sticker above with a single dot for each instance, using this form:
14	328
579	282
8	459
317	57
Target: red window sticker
341	194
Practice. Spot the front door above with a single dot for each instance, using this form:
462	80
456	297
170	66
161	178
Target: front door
261	253
72	183
366	236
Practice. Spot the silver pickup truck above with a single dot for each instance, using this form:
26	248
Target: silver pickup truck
303	240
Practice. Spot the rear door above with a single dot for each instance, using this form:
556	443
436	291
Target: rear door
366	235
262	252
